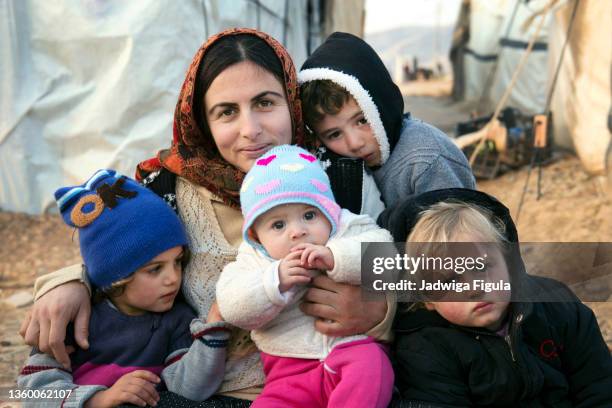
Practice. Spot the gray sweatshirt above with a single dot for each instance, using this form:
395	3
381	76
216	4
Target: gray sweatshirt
423	159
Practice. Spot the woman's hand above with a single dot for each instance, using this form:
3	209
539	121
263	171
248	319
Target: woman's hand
339	309
137	387
45	326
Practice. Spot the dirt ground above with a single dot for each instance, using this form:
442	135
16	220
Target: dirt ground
574	207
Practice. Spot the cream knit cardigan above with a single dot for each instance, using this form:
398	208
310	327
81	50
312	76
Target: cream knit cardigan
203	214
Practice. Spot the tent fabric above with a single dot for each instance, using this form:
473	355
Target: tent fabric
582	97
90	84
494	35
529	93
346	15
581	100
486	18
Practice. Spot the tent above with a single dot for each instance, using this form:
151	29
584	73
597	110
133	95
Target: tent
89	84
490	39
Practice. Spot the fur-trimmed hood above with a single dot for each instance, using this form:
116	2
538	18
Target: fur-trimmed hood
350	62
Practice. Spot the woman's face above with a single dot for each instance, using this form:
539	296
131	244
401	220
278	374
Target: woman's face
247	112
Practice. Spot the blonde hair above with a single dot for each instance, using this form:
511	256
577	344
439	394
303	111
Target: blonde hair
452	221
448	221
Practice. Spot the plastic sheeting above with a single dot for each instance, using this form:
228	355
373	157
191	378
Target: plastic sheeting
582	99
529	92
485	18
490	21
92	84
582	96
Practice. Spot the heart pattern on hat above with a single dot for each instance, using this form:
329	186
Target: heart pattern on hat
266	161
308	157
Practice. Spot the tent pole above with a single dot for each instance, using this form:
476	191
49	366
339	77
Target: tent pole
547	112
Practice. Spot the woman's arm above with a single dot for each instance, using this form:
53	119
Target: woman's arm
67	301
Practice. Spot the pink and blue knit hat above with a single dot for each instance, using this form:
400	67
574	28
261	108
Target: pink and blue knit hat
286	175
122	225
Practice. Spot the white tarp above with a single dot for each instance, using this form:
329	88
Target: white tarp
89	84
582	99
529	92
491	22
486	18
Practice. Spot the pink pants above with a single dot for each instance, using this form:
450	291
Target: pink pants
355	374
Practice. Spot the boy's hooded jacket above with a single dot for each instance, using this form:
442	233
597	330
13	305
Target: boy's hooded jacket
553	354
415	157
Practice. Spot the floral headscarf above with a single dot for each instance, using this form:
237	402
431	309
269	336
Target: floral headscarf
194	155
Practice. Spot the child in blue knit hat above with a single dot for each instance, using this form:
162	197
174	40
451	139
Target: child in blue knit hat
293	230
133	246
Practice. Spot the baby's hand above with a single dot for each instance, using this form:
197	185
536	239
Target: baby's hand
137	387
291	272
315	256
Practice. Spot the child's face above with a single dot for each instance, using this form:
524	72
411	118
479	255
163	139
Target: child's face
283	227
154	286
347	133
484	312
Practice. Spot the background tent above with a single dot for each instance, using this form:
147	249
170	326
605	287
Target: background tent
498	38
89	84
582	99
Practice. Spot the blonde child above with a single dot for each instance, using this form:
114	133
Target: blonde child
133	247
293	230
481	349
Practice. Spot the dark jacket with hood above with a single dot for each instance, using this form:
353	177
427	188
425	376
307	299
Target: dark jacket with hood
552	356
415	157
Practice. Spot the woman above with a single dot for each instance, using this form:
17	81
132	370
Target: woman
238	100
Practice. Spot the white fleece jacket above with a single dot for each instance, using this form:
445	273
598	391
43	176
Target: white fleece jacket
249	298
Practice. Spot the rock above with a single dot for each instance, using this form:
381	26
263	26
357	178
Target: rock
20	299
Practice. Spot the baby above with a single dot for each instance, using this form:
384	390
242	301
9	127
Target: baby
293	230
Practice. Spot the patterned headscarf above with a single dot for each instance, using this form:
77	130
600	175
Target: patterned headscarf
193	154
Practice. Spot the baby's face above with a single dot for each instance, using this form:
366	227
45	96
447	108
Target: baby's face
349	134
283	227
488	309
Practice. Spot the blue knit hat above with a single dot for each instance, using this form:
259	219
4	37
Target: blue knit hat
122	225
285	175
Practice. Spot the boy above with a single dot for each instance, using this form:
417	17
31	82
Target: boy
486	351
133	248
354	108
293	229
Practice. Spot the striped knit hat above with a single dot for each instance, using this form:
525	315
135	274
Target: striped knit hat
285	175
122	225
